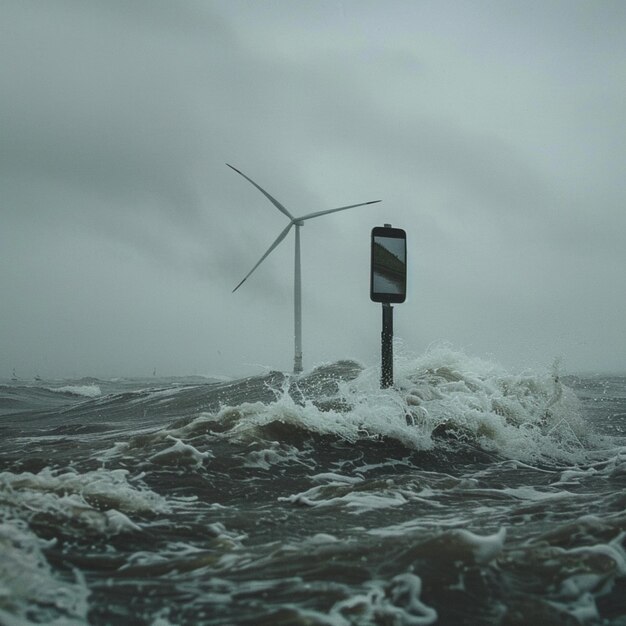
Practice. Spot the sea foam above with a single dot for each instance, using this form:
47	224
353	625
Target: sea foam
88	391
28	588
442	398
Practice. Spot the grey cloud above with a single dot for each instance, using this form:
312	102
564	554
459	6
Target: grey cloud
492	132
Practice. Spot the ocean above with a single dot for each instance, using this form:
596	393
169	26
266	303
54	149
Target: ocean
465	494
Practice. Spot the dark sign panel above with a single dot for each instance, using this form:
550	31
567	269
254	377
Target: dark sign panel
388	270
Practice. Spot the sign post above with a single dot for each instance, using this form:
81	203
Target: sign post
388	286
386	347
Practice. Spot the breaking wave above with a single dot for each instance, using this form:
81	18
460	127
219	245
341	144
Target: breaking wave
88	391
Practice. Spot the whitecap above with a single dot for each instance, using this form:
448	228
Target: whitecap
88	391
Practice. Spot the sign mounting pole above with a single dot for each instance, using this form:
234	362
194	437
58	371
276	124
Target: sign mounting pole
386	347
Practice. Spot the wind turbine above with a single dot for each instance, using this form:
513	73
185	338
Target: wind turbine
297	280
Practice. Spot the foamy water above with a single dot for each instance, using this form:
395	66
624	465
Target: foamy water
89	391
466	494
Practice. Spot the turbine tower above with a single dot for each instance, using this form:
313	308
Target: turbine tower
297	280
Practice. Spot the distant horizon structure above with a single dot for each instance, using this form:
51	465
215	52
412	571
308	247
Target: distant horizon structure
297	281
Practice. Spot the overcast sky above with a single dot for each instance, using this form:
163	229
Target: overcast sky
492	131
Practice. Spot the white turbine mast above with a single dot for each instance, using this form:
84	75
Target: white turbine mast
297	281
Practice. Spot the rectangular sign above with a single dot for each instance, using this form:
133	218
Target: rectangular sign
388	268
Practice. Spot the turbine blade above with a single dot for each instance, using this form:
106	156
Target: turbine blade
278	239
341	208
275	202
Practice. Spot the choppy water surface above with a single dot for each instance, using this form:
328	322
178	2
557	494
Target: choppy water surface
466	495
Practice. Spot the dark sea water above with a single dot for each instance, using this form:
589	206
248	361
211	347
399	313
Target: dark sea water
465	495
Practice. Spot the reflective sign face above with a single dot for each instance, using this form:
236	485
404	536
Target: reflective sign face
388	270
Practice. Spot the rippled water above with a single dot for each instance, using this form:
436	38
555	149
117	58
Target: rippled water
465	495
